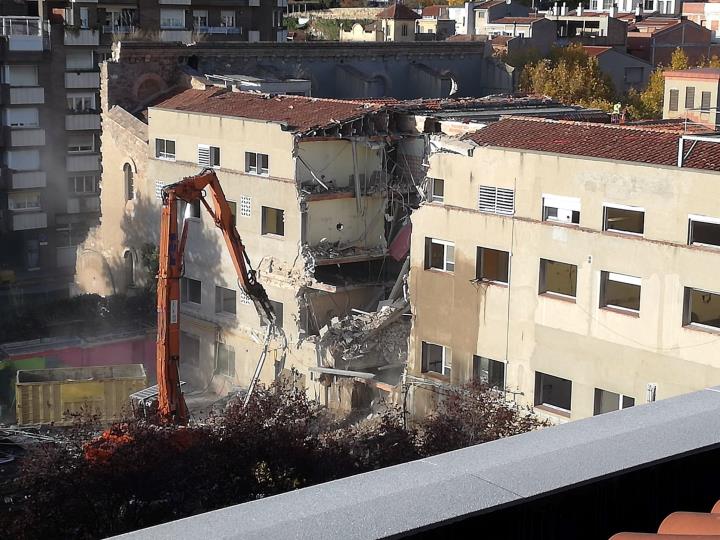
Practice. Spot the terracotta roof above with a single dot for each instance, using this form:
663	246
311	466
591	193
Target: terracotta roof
615	142
489	4
595	51
434	11
397	12
301	114
682	526
694	73
501	40
467	37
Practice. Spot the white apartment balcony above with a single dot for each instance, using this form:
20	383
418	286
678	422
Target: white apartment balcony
89	79
81	205
82	163
24	34
27	180
26	95
22	221
221	30
25	43
184	36
82	36
82	121
25	137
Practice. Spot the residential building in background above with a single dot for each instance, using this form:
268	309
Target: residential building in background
693	95
625	71
580	276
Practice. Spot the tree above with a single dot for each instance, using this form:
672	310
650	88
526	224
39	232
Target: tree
570	76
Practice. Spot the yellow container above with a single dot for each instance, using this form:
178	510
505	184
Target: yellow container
49	395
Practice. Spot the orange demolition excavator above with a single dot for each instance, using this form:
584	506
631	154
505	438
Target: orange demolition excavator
171	404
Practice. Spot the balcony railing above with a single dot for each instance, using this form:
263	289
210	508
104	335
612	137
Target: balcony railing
80	121
29	220
184	36
26	137
21	26
223	30
82	80
82	163
81	36
26	180
25	95
118	29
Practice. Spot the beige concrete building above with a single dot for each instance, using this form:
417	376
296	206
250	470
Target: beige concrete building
580	275
692	95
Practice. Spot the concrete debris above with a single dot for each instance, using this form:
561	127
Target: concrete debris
365	341
335	250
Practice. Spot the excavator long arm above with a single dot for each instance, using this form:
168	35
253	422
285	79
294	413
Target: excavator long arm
171	404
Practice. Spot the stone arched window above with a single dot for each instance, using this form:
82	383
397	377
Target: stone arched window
129	268
129	177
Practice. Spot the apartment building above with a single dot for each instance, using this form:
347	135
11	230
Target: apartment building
306	180
692	95
573	264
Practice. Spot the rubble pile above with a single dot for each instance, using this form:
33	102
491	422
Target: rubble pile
334	250
366	340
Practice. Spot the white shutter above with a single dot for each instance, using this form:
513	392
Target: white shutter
496	200
204	155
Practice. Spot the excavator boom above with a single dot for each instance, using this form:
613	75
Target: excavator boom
171	404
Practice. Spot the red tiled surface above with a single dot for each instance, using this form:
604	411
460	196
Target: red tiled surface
595	51
398	12
301	114
517	20
622	143
489	4
434	11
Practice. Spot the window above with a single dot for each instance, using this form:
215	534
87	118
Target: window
87	183
80	103
172	18
561	209
129	178
273	221
78	60
701	308
189	349
84	19
208	156
256	163
674	99
690	97
129	268
190	291
633	75
20	75
492	265
244	298
225	360
224	300
558	278
489	371
165	149
626	219
704	231
705	101
606	401
278	310
439	254
23	160
620	291
245	206
437	190
496	200
80	143
24	200
227	19
553	392
200	18
25	117
436	359
71	235
404	30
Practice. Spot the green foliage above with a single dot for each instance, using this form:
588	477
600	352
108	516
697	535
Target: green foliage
570	76
150	258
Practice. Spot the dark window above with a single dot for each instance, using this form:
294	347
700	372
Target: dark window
620	291
702	308
489	371
492	265
191	290
558	278
553	391
437	187
225	300
273	221
705	233
624	220
436	358
705	101
278	310
606	401
164	149
189	349
674	99
256	163
439	254
129	182
225	360
129	268
690	97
